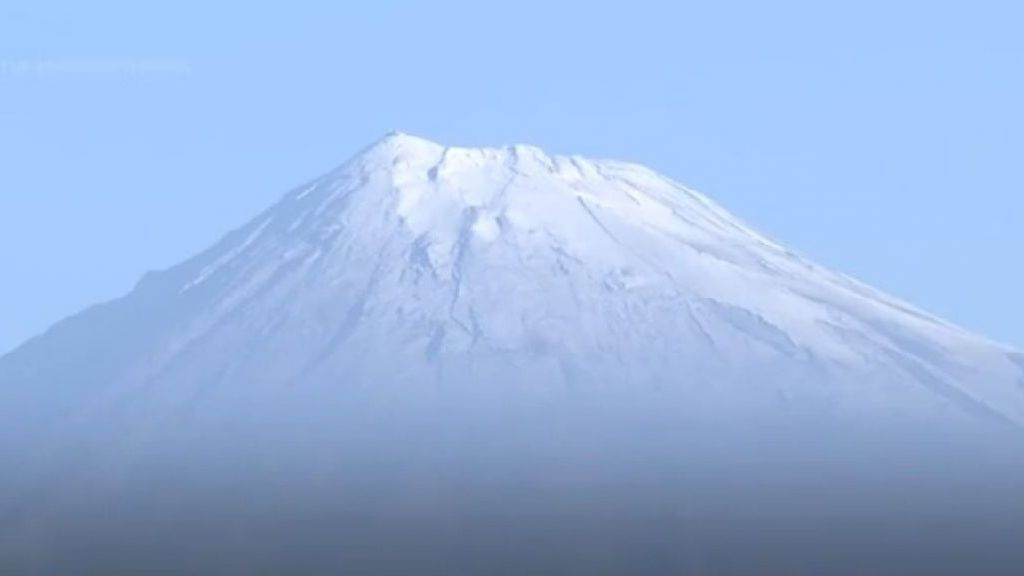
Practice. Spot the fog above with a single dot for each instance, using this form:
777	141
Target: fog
386	481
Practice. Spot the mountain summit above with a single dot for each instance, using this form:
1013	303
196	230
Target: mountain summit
422	264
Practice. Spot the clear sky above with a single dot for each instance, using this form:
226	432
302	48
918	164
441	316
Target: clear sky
882	139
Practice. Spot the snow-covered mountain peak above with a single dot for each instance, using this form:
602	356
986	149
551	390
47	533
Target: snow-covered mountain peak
396	143
430	181
416	261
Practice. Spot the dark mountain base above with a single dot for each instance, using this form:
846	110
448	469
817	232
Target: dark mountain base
197	538
544	501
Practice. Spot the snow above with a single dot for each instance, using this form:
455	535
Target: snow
227	257
469	261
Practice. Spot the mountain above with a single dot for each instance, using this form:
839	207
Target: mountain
470	307
416	262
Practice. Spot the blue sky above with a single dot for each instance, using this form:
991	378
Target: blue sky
882	139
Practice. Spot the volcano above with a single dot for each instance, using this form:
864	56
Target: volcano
445	312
